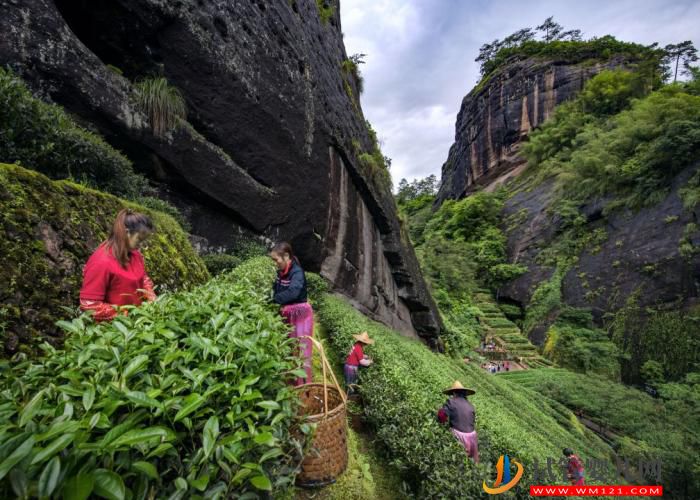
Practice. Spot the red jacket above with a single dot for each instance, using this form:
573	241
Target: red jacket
356	355
106	283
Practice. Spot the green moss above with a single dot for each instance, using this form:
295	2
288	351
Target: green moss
48	229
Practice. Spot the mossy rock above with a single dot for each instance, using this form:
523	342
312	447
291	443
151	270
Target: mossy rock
48	229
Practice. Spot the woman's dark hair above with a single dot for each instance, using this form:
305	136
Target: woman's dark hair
283	247
127	221
567	452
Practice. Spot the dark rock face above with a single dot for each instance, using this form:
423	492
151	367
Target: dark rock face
495	117
640	252
268	147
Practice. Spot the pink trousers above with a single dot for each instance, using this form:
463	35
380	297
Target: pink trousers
301	317
470	442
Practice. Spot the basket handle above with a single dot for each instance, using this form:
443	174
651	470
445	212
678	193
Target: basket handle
327	369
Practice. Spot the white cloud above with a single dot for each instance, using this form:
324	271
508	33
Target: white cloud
420	57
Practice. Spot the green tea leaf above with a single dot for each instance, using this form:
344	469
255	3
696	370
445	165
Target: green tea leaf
180	483
19	482
63	427
265	438
109	485
54	447
134	366
269	405
210	434
144	435
16	456
192	403
68	326
49	477
147	468
88	397
200	483
78	487
141	399
273	453
31	408
261	482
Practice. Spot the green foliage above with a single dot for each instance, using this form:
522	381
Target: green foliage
644	427
163	206
218	263
582	349
610	92
402	392
243	249
652	372
351	68
668	337
162	103
690	193
686	247
43	137
374	163
185	396
325	11
463	241
463	331
576	51
316	286
48	230
544	304
633	154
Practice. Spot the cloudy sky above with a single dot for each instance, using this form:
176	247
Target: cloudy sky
420	57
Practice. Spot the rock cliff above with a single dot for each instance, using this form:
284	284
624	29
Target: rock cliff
497	115
273	133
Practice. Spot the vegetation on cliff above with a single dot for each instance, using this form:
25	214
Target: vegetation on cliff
45	138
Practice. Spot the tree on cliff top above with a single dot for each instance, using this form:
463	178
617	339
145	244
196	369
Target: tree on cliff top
551	31
684	52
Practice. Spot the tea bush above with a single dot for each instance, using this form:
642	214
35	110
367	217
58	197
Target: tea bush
402	392
183	398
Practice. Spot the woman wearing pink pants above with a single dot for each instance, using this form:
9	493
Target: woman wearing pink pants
289	291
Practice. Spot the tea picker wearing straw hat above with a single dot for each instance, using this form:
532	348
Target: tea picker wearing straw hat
356	358
460	415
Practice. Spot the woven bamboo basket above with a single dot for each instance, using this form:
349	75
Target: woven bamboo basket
324	406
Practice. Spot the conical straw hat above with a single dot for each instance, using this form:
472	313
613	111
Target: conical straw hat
364	338
457	386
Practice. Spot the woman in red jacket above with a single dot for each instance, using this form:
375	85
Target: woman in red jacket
115	274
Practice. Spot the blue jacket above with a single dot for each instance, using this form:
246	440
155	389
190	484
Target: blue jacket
290	288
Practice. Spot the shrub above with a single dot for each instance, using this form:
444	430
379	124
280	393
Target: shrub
316	286
165	207
218	263
184	397
162	103
43	137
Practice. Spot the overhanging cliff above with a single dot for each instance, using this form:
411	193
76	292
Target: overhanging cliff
271	143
